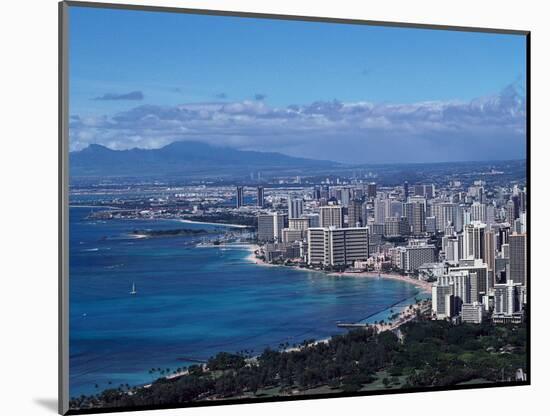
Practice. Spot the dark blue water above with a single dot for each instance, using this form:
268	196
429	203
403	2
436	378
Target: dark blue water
193	302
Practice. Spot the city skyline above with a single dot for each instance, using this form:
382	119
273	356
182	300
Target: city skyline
290	209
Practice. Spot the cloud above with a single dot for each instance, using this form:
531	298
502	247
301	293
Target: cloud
487	128
260	96
131	96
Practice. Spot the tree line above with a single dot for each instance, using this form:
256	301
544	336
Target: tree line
422	354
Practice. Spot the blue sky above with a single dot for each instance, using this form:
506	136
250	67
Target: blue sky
152	66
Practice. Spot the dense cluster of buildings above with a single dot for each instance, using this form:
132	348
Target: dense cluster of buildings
470	241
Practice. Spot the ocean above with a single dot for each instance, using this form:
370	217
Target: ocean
193	302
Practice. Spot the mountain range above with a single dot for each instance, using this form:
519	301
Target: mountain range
188	158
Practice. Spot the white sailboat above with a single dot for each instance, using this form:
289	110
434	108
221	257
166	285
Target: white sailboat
133	291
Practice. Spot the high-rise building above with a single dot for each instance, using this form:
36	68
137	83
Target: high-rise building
379	211
325	192
418	190
367	212
406	190
318	251
429	191
396	226
490	214
395	208
331	216
481	194
461	285
240	197
460	218
345	196
431	225
371	190
445	213
517	205
376	229
512	210
415	256
503	234
466	217
291	235
354	213
474	240
337	246
472	313
260	197
489	252
518	258
298	223
313	219
505	251
317	193
442	301
295	207
522	195
478	212
270	226
426	191
507	298
479	283
415	212
502	270
523	220
451	248
358	193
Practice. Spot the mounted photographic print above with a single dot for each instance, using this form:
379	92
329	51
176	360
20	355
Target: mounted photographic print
263	208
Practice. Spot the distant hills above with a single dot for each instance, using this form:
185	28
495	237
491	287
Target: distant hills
183	158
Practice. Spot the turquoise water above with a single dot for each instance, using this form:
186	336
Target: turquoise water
193	302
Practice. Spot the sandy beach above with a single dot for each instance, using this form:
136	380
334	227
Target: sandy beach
425	286
251	257
405	315
252	248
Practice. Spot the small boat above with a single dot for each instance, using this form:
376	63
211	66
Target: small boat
133	291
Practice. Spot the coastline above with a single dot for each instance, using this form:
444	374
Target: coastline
221	224
404	312
426	287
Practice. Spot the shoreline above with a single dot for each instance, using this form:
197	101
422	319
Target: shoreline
181	220
95	207
221	224
425	287
405	312
402	311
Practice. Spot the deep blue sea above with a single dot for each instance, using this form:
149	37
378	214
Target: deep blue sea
193	302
